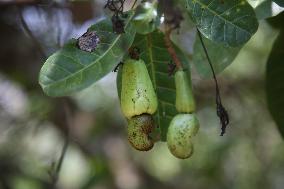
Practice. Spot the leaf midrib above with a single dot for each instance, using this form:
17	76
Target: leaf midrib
149	44
218	15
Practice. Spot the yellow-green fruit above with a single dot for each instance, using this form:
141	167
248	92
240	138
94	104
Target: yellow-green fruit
184	97
137	93
180	132
139	128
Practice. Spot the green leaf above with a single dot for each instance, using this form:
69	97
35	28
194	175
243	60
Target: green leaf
220	56
264	10
71	69
275	82
277	21
146	18
255	3
267	9
156	57
231	22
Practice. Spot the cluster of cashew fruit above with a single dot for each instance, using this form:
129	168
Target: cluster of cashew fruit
184	125
139	103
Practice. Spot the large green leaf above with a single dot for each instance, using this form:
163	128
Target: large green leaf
275	82
156	57
231	22
71	69
220	56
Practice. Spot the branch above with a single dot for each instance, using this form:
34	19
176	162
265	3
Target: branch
133	5
171	49
55	172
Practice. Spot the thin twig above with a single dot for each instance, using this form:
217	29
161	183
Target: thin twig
133	5
221	111
30	34
55	174
56	171
59	30
171	49
209	60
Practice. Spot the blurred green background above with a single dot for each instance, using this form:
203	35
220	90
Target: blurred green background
33	126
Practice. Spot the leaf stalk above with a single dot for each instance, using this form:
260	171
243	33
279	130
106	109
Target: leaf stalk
221	111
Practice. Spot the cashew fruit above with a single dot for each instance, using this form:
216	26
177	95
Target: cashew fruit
137	93
180	132
139	128
184	98
138	102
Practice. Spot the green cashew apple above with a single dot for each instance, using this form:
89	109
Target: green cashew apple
184	98
137	93
139	128
138	102
180	132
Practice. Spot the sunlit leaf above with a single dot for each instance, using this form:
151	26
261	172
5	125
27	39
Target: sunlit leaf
267	9
231	22
71	69
146	18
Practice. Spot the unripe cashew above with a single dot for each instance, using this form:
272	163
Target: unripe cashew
139	128
138	103
137	93
180	132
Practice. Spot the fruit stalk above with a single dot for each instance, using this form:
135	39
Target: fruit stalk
184	98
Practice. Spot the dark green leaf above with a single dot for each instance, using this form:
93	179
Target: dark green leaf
71	69
277	21
220	56
264	10
279	2
231	22
275	82
156	57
